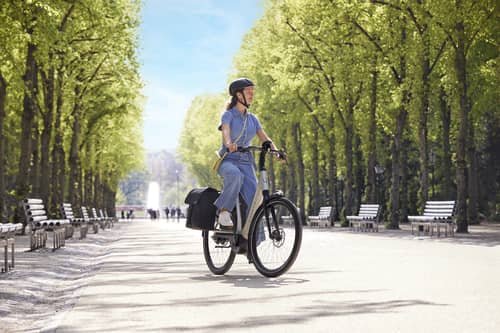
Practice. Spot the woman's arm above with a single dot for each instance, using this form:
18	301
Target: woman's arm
263	137
226	137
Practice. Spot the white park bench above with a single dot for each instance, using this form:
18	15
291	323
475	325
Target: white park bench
40	224
436	215
104	223
90	220
67	213
367	218
113	218
109	220
7	239
323	218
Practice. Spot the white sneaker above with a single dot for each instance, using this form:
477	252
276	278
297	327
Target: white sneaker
225	219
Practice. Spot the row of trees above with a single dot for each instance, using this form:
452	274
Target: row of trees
408	88
70	103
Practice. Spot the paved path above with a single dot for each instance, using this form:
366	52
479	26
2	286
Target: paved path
154	279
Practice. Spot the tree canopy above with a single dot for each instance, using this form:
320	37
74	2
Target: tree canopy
70	101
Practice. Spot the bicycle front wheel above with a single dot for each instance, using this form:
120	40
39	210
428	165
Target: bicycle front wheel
218	252
275	241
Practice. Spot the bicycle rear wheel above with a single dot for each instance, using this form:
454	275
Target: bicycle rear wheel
274	250
217	251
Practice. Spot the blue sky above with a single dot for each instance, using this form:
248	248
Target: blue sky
187	49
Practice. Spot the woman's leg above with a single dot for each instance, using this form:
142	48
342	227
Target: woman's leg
233	180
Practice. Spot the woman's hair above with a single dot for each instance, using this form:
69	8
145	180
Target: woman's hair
232	103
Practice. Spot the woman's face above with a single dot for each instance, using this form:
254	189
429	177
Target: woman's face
248	92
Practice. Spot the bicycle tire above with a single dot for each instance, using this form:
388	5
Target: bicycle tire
264	251
219	259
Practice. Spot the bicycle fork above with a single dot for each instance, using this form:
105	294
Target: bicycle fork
274	233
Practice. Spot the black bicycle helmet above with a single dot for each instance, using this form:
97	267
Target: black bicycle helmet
239	85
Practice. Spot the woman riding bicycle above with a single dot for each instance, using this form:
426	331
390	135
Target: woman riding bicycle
238	127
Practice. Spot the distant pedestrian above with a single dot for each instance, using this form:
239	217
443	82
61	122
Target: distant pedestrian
167	211
178	210
123	214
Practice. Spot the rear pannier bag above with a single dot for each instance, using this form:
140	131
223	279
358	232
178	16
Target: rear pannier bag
201	211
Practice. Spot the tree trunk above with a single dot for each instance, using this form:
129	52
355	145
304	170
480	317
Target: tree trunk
88	192
371	188
349	137
97	191
300	168
491	179
315	196
358	171
58	155
283	174
460	68
28	116
445	113
404	182
473	206
75	180
332	170
35	161
48	117
292	192
422	127
397	145
3	160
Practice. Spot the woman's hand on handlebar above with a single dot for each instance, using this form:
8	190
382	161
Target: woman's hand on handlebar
268	145
280	155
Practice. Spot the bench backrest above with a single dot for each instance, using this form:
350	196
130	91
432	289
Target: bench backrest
34	211
67	211
369	210
325	211
94	214
85	214
441	209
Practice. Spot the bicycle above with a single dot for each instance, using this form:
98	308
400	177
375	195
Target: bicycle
271	236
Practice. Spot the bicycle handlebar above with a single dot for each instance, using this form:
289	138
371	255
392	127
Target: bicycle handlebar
281	154
258	148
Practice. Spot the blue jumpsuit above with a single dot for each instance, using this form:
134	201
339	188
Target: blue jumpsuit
238	169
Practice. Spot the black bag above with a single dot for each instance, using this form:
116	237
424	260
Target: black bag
201	211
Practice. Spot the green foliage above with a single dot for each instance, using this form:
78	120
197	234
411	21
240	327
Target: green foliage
87	71
200	138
